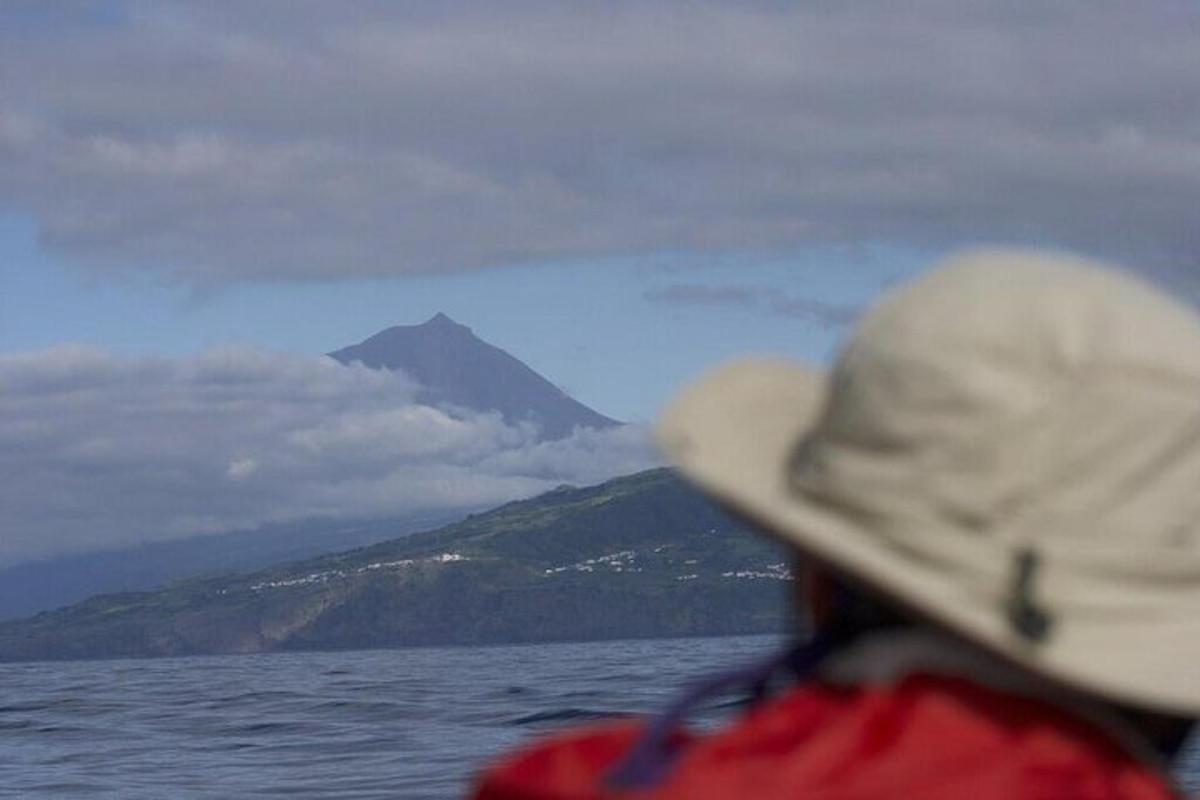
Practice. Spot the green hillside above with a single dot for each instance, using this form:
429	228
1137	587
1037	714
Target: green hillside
643	555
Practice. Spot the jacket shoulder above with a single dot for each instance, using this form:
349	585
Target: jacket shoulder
931	737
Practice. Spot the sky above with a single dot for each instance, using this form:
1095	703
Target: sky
198	199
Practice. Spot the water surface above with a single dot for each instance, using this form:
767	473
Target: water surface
369	724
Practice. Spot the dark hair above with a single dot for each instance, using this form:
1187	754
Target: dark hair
857	612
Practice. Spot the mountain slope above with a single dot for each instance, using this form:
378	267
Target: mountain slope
643	555
455	367
40	585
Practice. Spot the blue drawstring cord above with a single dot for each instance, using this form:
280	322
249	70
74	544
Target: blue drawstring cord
655	752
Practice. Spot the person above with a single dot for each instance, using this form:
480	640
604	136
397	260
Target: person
993	497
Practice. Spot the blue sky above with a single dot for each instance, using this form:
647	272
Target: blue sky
590	325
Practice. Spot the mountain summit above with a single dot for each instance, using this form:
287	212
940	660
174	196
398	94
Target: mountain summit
455	367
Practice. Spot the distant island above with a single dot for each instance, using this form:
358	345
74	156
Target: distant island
453	368
639	556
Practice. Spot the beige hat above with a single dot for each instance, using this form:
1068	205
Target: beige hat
1010	445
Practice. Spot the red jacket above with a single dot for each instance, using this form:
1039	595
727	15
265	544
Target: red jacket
922	737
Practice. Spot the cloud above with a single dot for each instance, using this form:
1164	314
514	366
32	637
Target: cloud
300	139
757	298
827	315
99	451
699	295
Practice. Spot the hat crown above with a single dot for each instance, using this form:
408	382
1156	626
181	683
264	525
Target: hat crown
1018	395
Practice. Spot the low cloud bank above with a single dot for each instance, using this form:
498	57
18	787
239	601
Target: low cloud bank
99	451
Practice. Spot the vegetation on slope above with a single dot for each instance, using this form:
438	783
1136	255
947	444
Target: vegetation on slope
643	555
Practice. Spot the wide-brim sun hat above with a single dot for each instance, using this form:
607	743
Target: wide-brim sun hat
1008	445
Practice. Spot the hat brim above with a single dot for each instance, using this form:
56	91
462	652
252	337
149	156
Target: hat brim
734	433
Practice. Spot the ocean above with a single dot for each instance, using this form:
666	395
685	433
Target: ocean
368	724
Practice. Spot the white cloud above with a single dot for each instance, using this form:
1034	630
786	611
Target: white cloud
97	450
240	468
301	139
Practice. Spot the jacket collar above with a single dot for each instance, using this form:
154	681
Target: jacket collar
887	656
